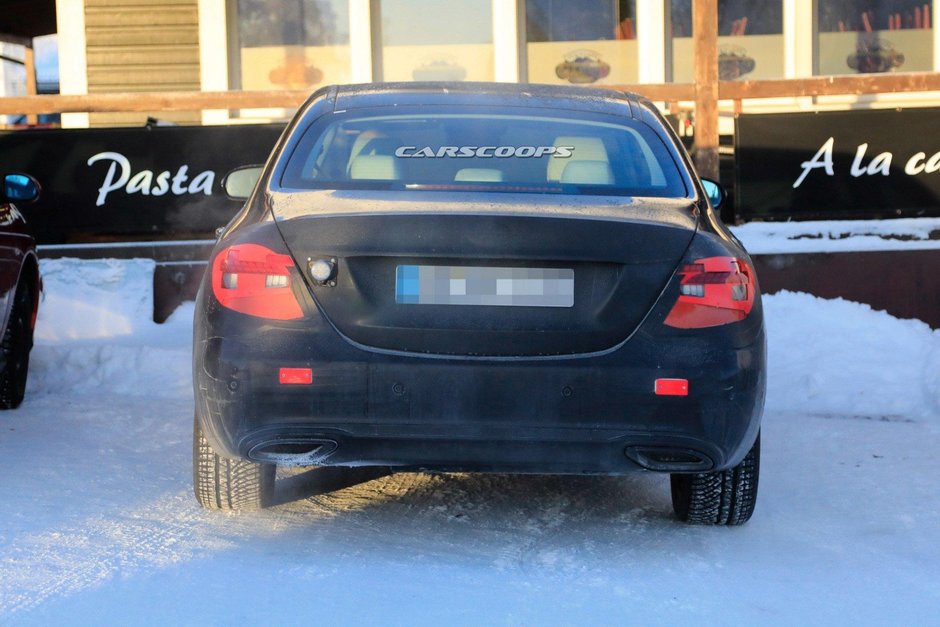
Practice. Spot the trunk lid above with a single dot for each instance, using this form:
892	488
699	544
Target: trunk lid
585	270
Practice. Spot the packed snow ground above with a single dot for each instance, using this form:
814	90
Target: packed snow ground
98	525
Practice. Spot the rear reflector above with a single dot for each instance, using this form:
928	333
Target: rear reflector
671	387
295	376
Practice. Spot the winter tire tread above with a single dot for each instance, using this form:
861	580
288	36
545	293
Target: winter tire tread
726	497
15	347
227	484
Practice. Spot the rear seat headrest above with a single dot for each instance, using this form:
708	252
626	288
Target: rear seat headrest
588	173
374	167
584	148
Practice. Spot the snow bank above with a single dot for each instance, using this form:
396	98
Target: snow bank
827	357
95	332
836	357
95	299
830	236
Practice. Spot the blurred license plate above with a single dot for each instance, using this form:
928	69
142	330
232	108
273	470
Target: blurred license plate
467	285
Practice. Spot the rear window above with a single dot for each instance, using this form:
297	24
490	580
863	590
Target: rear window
483	151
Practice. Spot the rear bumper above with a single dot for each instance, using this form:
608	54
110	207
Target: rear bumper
581	415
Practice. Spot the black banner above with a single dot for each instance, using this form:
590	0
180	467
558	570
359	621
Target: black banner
838	165
160	182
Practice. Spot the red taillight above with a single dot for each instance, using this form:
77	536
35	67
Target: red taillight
713	291
254	280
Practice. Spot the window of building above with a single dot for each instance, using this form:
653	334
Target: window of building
750	40
874	36
581	42
430	40
290	44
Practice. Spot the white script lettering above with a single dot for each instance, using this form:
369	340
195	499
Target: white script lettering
822	159
880	164
143	182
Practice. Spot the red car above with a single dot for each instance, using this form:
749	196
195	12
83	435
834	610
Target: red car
20	286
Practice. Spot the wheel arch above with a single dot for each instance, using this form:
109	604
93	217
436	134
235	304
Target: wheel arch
29	271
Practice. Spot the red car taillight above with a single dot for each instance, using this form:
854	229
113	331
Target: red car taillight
713	291
255	280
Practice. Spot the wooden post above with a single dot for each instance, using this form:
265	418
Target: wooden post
705	39
30	64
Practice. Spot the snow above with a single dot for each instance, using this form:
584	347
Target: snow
98	524
836	357
831	236
95	332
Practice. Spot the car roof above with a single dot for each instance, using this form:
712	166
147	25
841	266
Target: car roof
347	97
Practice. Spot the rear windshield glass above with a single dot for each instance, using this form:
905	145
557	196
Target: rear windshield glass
470	150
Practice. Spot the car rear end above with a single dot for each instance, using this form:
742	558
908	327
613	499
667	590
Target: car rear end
499	282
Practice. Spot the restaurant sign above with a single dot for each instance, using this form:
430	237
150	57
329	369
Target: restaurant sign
838	165
132	183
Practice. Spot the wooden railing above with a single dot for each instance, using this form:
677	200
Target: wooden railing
706	132
830	86
154	101
290	99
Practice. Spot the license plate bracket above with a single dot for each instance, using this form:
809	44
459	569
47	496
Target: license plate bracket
487	286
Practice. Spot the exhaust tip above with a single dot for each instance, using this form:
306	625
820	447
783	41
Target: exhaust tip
669	459
292	451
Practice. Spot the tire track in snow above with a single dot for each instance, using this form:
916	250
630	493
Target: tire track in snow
515	524
36	568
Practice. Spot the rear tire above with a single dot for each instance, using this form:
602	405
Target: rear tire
14	349
227	484
726	497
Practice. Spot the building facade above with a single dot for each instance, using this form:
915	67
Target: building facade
217	45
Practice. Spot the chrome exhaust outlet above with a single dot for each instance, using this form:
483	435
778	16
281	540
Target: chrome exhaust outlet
292	451
669	459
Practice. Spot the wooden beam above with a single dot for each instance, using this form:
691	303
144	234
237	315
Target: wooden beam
705	45
670	92
194	101
154	101
831	85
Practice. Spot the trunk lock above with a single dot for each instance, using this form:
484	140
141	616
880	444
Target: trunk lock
323	271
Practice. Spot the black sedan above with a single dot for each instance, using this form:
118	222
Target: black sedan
479	278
